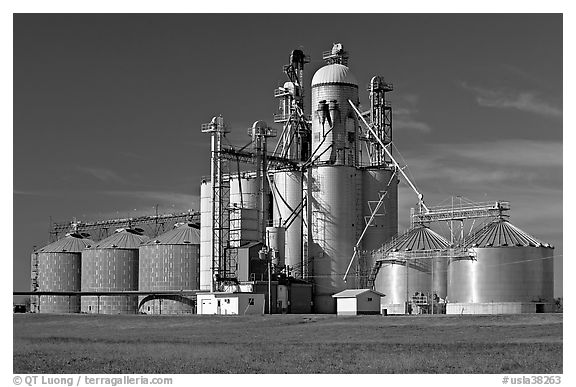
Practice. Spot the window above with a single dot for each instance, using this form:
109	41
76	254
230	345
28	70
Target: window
369	299
250	301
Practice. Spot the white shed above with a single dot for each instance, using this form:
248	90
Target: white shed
230	303
357	301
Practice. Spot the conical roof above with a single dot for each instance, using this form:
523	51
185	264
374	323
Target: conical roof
71	243
502	233
184	234
420	238
122	239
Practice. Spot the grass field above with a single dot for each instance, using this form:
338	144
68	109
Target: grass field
529	343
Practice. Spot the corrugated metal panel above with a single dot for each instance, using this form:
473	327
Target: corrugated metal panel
503	274
110	269
59	272
184	234
125	239
502	233
421	238
334	73
73	243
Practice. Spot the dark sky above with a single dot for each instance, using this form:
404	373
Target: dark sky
108	108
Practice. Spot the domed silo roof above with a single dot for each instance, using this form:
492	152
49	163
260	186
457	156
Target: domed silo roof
124	238
187	233
71	243
501	233
334	74
421	238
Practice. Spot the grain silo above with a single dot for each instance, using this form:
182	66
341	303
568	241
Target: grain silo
58	269
170	261
112	265
512	272
336	186
396	283
206	235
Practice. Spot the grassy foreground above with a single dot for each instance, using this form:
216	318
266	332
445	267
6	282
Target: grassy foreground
287	344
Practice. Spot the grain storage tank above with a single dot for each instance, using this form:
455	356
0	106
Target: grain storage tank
392	277
112	265
205	235
58	268
287	210
510	266
170	261
334	123
244	191
336	226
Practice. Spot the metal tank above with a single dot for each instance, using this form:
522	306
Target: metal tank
287	195
244	192
112	265
276	241
170	261
334	123
58	269
205	235
392	277
336	226
510	266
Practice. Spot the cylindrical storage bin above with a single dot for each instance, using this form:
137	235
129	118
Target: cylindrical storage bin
336	226
334	122
392	276
244	192
112	265
287	194
510	266
59	270
275	239
171	261
205	235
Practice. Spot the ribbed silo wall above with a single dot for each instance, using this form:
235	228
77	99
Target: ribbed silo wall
336	219
346	122
168	267
287	194
59	272
205	235
110	270
502	274
391	281
440	276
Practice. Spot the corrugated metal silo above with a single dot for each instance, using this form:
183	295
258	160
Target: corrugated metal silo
510	266
287	194
205	235
59	270
170	261
392	277
336	225
112	265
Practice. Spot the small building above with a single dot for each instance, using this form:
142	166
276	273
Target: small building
226	303
352	302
